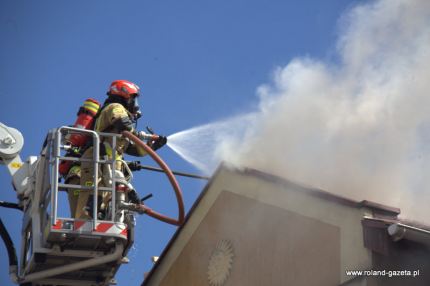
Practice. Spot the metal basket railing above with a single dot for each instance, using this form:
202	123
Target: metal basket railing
58	144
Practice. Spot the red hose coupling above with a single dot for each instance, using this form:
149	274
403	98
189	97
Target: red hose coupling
121	188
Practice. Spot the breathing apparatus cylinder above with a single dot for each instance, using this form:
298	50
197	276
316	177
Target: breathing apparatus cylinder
86	118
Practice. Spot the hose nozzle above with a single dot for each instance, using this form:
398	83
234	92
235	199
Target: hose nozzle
147	137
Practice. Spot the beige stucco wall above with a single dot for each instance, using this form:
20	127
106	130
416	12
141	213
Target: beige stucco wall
352	254
271	246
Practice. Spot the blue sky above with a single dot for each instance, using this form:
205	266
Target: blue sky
196	62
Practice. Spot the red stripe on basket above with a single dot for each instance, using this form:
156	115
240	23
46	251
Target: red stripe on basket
78	224
103	227
57	224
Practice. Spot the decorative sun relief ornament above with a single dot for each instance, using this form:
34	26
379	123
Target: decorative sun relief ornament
220	263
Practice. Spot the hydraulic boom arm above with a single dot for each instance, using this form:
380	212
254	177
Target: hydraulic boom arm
11	143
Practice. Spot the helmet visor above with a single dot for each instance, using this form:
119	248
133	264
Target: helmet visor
134	106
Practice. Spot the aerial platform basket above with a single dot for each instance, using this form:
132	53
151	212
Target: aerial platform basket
63	250
56	248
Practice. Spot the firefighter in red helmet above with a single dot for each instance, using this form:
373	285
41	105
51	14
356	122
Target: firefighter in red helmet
119	112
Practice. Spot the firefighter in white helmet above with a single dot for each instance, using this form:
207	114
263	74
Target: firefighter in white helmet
119	113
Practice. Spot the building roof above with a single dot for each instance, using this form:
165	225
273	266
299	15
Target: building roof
382	216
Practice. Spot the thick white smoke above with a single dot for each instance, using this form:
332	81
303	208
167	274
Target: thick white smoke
359	127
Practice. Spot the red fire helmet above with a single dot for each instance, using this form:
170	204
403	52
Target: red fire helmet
123	88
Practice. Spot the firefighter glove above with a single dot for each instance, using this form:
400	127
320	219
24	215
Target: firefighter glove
133	196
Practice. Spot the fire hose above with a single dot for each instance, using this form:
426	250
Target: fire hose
172	180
